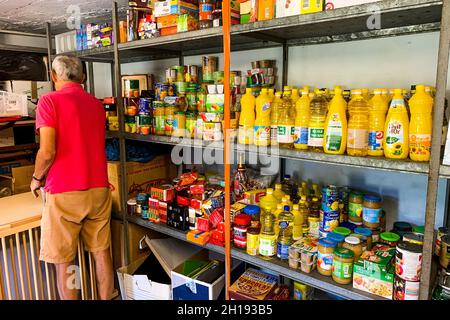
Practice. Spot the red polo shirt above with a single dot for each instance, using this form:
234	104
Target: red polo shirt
79	121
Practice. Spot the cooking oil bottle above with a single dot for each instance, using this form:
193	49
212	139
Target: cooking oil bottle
297	231
268	238
377	116
335	136
269	200
276	213
294	96
396	128
274	118
314	208
366	94
288	201
304	211
278	193
262	122
385	95
286	223
247	118
421	105
286	122
271	93
316	125
358	123
288	185
302	111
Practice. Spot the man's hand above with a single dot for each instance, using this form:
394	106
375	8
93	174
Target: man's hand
34	186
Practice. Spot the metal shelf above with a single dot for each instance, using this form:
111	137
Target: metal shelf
314	279
112	134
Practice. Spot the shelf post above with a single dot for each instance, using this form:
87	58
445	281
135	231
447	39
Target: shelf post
435	160
90	67
48	30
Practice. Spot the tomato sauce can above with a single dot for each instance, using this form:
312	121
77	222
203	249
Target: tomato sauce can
408	261
405	290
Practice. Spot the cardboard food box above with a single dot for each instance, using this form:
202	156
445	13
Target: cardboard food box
335	4
140	177
266	9
374	272
18	181
248	10
311	6
286	8
168	31
187	22
166	21
253	285
163	8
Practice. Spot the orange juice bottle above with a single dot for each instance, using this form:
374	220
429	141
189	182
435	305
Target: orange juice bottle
420	105
358	124
396	129
262	121
335	136
377	116
247	118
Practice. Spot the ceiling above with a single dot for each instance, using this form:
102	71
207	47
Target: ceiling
31	15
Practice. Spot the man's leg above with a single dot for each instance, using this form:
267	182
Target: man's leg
104	273
66	284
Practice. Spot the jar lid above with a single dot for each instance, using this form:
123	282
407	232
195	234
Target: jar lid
419	229
344	253
408	246
342	231
327	243
352	240
355	193
402	226
336	237
254	230
413	237
242	219
363	231
251	209
346	224
389	236
372	198
132	202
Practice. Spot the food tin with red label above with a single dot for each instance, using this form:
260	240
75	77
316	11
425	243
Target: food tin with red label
408	261
405	290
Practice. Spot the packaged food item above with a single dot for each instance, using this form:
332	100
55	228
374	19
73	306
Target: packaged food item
377	116
241	223
335	135
131	206
165	192
396	141
316	125
303	252
262	121
420	127
253	241
442	231
353	244
286	122
254	212
355	207
342	269
402	227
198	237
302	107
325	251
247	118
444	256
442	289
336	237
268	238
302	291
313	226
365	235
371	211
209	66
274	118
358	124
408	261
253	285
405	290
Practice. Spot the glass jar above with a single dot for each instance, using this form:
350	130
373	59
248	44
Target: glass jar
241	224
325	256
354	244
355	207
179	124
402	227
376	235
217	14
343	231
336	237
206	8
343	265
412	237
254	212
201	97
191	97
191	119
371	211
389	238
365	235
169	114
253	241
159	117
131	206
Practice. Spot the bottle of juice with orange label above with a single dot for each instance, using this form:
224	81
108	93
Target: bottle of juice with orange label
262	121
377	117
396	128
247	118
420	127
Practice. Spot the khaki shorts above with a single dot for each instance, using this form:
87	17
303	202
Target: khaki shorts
69	215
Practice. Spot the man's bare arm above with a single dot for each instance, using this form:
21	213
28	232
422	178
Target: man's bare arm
46	153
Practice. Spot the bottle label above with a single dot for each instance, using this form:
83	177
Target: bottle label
159	123
315	137
285	134
283	251
357	138
334	134
420	144
301	135
342	270
265	106
273	134
355	210
376	140
395	137
245	134
169	124
371	215
324	260
267	247
262	135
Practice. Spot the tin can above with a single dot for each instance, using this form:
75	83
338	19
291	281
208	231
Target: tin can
328	220
171	75
253	241
442	231
144	124
408	261
330	198
413	237
145	106
161	91
444	258
405	290
442	290
130	124
313	224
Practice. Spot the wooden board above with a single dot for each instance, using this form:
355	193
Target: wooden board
18	208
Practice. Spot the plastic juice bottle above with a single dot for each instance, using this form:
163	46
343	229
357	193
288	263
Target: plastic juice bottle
304	211
295	96
286	122
377	116
262	122
316	125
358	123
396	128
269	200
420	127
247	118
274	118
271	94
335	135
302	108
268	238
278	193
297	231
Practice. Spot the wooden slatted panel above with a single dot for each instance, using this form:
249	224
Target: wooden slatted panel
27	265
19	259
33	264
5	263
13	267
41	281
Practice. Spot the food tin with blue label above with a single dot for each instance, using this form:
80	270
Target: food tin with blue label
145	106
329	220
330	198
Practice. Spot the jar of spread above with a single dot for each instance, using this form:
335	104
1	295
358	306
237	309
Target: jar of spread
191	97
355	207
354	244
179	124
325	251
131	206
191	119
336	237
254	212
241	224
389	238
419	229
401	227
169	114
159	117
365	235
343	265
371	211
252	241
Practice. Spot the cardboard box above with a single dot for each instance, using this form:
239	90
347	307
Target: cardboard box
166	21
286	8
253	285
249	11
168	7
6	166
186	22
311	6
335	4
266	9
168	31
7	137
21	178
140	176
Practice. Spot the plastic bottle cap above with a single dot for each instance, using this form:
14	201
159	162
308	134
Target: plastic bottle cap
305	92
251	209
355	91
277	186
248	90
389	236
327	243
420	87
286	208
398	91
342	230
344	253
372	198
336	237
419	229
353	240
269	191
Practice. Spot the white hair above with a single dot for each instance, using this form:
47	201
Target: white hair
68	68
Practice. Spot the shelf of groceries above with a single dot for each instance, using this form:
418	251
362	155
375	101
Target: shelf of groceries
329	21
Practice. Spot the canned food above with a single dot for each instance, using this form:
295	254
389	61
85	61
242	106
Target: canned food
171	75
329	220
330	198
413	237
442	231
445	251
408	261
145	106
209	66
405	290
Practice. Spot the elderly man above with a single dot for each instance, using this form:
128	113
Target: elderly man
71	166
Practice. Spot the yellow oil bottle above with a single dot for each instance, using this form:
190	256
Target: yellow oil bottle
358	123
262	122
335	135
286	122
420	127
377	117
302	108
396	128
316	125
274	118
247	118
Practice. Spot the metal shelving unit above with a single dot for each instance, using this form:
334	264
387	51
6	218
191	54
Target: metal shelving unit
397	17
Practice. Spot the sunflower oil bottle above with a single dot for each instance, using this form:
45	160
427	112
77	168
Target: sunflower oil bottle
269	200
247	118
358	123
366	94
274	118
335	135
276	213
302	111
297	231
385	95
316	125
262	122
288	185
288	201
420	127
278	193
304	212
286	223
286	122
294	96
271	93
396	128
267	237
377	116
